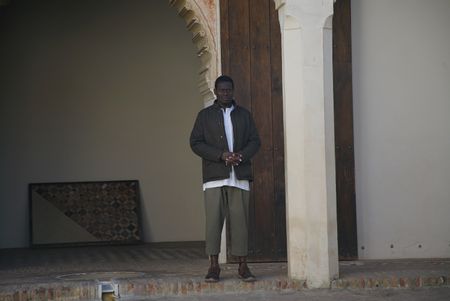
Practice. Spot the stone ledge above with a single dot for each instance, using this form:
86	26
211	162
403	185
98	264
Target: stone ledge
391	282
199	287
49	291
142	287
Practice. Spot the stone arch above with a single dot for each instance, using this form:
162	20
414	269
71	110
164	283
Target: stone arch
204	39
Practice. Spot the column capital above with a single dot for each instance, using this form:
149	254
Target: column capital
279	3
307	13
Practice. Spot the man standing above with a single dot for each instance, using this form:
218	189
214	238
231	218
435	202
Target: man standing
226	138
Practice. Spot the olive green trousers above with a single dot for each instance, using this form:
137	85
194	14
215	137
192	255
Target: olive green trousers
230	203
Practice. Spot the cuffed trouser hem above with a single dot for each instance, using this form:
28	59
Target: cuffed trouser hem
230	202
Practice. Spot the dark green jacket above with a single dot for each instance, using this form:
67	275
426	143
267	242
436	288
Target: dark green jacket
208	140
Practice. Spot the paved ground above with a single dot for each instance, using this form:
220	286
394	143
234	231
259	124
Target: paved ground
148	270
431	294
116	262
31	265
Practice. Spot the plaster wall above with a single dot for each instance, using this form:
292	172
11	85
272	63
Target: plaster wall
99	90
401	76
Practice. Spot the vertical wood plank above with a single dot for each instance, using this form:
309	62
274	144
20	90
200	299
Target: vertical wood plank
262	112
280	242
236	63
239	54
343	110
225	36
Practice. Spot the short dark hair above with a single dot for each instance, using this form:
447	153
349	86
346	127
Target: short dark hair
222	79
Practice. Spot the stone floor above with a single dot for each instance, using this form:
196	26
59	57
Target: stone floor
170	270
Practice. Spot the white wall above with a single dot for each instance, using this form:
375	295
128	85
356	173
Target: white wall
401	80
99	90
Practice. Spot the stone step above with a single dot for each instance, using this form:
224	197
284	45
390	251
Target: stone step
140	287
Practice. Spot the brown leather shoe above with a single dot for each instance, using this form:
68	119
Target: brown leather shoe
245	274
213	274
214	269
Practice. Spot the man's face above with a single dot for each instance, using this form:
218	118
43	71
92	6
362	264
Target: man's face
224	93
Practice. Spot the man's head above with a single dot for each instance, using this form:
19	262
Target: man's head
223	79
223	88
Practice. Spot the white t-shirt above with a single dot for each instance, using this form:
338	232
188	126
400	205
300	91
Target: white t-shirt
232	180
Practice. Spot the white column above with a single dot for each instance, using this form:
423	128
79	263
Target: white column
309	141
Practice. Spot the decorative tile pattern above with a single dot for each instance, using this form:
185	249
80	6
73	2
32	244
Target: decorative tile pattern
107	210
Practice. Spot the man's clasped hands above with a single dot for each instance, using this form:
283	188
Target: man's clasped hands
230	158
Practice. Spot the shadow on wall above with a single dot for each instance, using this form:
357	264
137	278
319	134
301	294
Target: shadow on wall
99	90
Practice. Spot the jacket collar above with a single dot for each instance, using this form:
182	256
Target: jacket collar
217	106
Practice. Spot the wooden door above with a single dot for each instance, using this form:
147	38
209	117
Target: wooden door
343	125
251	55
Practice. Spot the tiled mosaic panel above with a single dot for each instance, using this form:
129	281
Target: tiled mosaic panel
107	210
